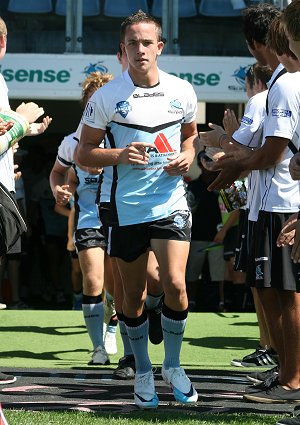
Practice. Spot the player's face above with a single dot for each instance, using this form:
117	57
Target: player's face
294	46
142	48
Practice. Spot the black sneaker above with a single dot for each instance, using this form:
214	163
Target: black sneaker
259	377
155	329
275	393
125	369
262	357
262	386
7	379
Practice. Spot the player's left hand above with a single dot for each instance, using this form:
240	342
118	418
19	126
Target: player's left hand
179	164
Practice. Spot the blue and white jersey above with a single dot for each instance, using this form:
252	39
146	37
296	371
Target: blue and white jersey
142	193
86	215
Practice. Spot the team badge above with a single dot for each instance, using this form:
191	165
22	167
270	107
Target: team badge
123	108
89	112
175	107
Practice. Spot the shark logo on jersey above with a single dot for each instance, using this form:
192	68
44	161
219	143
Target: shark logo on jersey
89	112
281	113
123	108
246	120
176	107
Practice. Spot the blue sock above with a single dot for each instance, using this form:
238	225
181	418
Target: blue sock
125	339
93	313
173	325
138	330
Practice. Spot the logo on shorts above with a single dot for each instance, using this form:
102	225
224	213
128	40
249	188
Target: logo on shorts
123	108
281	113
259	273
179	221
246	120
89	112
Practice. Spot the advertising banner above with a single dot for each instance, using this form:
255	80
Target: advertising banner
47	76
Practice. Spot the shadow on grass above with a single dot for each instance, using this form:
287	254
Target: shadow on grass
221	343
50	355
47	330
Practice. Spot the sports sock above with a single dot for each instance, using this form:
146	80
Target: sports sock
152	301
173	325
125	339
93	313
138	330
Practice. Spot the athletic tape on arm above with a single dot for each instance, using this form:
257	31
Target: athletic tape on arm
17	132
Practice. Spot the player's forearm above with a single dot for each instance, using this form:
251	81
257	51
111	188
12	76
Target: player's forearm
97	157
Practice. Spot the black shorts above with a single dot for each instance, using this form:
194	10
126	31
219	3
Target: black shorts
104	215
88	238
230	243
244	236
271	266
129	242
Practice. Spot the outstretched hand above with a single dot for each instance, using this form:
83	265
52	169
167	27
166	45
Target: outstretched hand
39	127
229	171
212	138
230	122
30	111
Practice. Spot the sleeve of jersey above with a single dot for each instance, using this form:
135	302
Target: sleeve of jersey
96	111
251	125
66	152
17	132
283	102
191	110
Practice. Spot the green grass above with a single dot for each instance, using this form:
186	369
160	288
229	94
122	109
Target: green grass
146	418
58	339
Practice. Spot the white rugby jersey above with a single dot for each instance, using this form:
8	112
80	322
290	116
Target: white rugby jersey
279	193
250	134
66	150
7	175
142	193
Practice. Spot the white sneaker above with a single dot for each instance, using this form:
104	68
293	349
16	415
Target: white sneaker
183	389
3	306
110	343
145	396
99	357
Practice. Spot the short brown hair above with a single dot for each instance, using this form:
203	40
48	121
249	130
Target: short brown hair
92	82
3	28
291	19
277	39
137	18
